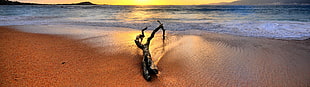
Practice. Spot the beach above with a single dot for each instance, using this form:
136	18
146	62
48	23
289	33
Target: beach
46	60
45	56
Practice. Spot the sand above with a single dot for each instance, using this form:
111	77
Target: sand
191	59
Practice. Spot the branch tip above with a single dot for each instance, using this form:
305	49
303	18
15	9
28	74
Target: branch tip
159	22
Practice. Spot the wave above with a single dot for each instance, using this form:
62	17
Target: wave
287	30
280	22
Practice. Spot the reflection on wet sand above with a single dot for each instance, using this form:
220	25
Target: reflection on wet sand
223	60
235	61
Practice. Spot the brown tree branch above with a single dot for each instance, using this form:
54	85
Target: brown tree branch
147	63
161	26
140	37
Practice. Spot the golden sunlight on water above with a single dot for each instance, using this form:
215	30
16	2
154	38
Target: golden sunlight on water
135	15
140	15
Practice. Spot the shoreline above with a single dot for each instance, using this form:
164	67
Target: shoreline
112	59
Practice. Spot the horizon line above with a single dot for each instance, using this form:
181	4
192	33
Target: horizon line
150	4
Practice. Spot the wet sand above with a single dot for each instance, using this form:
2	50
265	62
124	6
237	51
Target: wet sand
189	59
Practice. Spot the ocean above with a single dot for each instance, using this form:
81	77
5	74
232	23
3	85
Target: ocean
289	22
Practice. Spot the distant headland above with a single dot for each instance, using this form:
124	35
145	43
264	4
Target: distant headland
7	2
81	3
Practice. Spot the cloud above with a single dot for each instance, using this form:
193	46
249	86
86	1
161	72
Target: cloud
270	2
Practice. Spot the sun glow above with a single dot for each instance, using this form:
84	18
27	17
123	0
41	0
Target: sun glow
164	2
146	2
142	2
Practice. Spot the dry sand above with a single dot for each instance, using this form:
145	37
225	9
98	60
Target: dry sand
203	59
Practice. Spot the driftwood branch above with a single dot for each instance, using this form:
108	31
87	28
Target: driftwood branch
139	39
148	65
161	26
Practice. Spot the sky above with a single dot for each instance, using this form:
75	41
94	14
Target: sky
130	2
172	2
